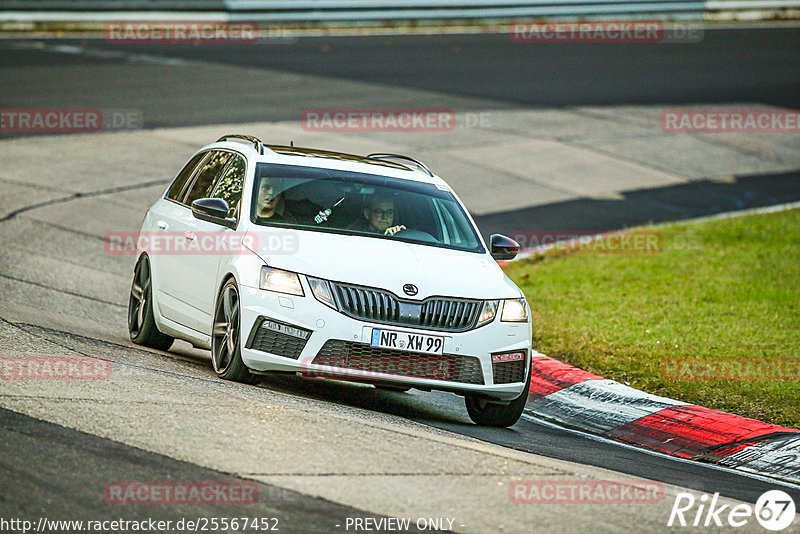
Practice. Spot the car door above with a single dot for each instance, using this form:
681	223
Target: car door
183	265
203	268
161	221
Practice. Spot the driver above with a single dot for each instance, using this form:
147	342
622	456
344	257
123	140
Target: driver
271	204
379	216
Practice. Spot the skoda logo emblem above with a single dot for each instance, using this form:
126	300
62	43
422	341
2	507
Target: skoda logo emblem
410	290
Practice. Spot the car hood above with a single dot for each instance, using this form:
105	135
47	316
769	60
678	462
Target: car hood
384	263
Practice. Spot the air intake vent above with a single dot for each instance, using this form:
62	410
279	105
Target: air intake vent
448	367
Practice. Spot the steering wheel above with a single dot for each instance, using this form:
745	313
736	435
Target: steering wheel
418	235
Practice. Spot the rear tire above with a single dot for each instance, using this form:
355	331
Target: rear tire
488	413
226	350
141	325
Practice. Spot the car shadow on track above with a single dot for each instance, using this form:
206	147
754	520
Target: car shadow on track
414	404
650	205
438	409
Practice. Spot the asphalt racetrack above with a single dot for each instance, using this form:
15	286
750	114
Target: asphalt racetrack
323	451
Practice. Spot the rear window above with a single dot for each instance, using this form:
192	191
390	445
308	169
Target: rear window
207	175
176	189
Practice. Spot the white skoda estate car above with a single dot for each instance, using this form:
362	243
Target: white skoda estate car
358	268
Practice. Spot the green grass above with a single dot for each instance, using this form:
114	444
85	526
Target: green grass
726	289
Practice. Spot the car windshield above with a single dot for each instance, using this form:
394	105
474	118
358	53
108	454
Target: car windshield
343	202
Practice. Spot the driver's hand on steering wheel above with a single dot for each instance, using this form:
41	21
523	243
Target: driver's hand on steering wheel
394	229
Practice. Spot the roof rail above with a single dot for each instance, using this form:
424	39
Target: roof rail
257	144
421	166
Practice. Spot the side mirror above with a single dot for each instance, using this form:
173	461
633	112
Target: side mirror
214	210
503	248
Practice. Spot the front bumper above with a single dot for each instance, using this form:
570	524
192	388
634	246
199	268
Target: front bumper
299	334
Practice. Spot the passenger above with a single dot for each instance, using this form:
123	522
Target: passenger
379	216
271	205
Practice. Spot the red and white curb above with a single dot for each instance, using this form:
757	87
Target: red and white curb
576	398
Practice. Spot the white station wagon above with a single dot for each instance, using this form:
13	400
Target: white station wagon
357	268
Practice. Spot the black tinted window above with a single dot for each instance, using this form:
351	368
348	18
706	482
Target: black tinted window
229	186
365	205
180	181
206	176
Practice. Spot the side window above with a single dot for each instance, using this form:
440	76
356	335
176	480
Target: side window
178	184
229	186
205	177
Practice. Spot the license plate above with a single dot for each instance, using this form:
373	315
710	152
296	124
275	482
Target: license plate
391	339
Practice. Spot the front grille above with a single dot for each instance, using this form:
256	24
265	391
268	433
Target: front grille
449	314
448	367
508	372
267	340
371	304
380	306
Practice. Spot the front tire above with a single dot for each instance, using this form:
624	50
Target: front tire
226	350
141	325
487	413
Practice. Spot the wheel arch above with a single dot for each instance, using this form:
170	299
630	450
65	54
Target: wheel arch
229	275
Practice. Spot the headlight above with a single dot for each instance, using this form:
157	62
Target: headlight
322	291
488	312
514	310
280	281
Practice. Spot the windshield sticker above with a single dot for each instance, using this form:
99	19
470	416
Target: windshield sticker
322	216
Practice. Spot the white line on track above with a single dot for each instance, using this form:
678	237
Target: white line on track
541	249
76	50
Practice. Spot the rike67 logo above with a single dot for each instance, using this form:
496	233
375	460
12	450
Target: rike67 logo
774	510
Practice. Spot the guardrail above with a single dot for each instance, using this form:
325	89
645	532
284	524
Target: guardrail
44	6
477	9
333	11
339	10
